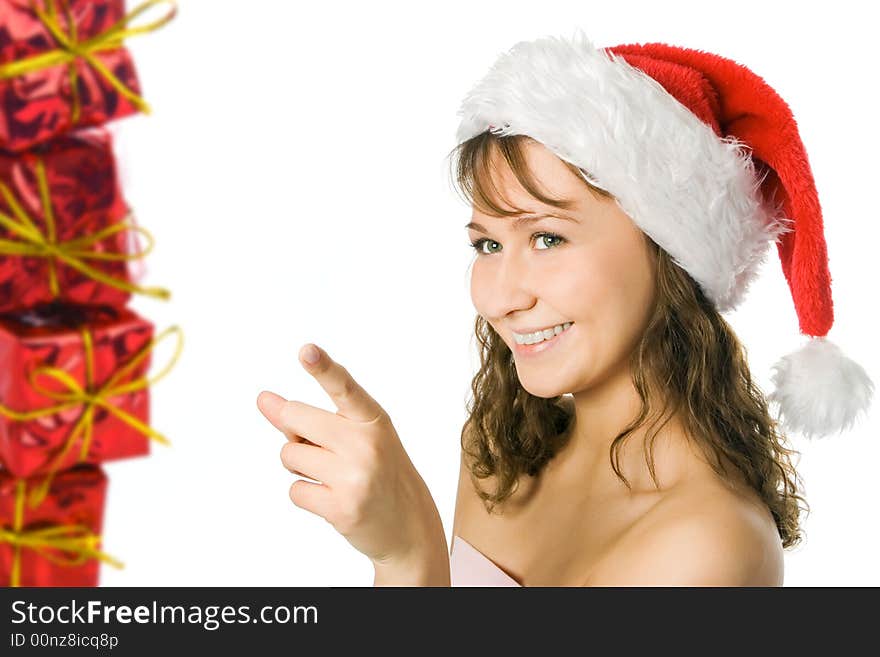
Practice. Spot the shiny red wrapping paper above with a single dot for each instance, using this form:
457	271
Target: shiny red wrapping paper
75	497
85	197
52	337
38	105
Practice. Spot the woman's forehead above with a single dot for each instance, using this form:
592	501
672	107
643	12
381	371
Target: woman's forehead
552	174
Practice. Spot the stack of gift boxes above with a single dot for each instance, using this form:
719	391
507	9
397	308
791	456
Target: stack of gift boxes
74	359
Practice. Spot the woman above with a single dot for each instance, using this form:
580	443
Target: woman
634	321
621	199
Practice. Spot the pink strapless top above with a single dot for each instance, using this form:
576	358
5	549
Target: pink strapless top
470	567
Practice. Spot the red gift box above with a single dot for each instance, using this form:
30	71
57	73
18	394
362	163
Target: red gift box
63	64
65	227
55	543
74	388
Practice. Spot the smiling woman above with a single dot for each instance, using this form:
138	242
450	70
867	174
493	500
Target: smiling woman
640	331
613	417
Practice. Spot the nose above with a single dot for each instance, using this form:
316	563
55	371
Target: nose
508	285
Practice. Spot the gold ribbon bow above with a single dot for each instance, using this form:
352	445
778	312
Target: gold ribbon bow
92	397
72	252
70	49
71	538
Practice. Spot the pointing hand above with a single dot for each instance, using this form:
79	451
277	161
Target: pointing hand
368	488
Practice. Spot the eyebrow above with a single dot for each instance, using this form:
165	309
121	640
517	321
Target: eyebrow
519	221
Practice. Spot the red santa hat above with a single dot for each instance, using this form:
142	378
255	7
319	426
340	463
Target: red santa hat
706	159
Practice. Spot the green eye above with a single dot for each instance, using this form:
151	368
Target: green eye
478	245
542	239
554	241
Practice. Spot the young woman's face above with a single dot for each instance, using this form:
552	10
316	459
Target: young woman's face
593	270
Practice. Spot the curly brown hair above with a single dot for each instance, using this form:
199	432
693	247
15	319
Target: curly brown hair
687	350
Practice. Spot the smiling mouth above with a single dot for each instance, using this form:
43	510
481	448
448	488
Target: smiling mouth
541	335
544	345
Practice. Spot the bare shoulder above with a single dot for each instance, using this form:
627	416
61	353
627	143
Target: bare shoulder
703	535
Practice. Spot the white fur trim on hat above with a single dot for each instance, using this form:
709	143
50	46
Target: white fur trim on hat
693	193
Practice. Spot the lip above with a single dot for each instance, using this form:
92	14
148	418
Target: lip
542	346
535	329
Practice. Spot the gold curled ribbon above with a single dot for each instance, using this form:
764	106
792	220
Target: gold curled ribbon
92	397
70	49
73	252
70	538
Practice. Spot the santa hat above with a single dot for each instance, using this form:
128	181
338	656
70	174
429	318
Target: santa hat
706	159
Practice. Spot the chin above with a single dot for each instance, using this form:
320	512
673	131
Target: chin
544	390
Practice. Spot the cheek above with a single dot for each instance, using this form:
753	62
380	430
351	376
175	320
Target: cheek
479	289
587	286
609	296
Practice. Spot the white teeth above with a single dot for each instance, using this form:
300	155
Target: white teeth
539	336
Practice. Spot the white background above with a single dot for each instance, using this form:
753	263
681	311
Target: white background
295	174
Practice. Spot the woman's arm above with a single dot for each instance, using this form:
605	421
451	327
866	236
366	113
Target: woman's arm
428	566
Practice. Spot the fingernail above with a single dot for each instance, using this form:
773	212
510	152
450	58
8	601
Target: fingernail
311	354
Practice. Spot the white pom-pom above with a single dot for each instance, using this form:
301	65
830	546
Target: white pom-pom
819	389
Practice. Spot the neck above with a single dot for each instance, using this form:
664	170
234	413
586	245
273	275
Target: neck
601	413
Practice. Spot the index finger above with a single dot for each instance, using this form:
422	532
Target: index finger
347	394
